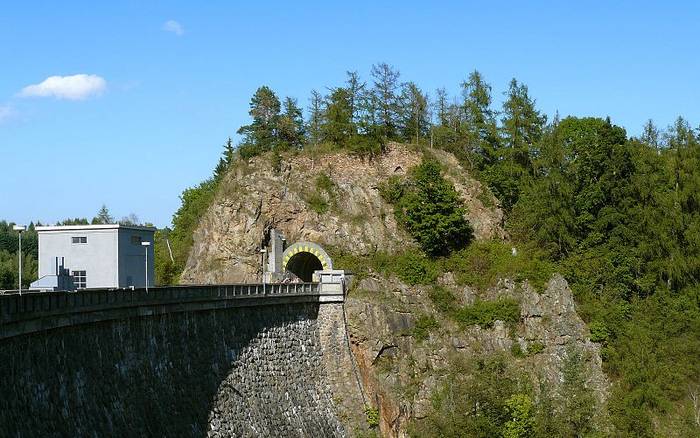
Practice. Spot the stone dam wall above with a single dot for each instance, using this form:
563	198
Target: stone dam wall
255	370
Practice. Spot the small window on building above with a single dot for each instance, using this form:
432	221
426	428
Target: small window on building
136	240
80	279
79	239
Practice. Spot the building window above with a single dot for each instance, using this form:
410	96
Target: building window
136	240
79	239
80	279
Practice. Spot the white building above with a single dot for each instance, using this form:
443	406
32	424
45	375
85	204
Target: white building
96	256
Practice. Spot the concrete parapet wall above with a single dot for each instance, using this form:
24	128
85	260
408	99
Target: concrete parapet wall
195	361
34	312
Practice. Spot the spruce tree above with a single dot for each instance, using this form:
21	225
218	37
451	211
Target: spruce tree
261	134
386	83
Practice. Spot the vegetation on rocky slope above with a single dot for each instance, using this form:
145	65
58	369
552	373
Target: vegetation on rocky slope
619	217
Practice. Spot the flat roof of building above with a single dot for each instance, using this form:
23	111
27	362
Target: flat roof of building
93	227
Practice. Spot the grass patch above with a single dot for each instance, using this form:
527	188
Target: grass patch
413	268
485	313
424	325
443	299
482	264
316	202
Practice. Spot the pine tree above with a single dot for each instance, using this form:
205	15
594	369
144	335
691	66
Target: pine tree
103	217
479	119
414	116
386	82
338	126
225	160
315	122
522	124
356	90
651	135
442	107
291	125
261	134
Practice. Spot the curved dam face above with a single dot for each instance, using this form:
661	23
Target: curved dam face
242	371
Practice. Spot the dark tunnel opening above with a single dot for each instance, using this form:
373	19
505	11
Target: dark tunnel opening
303	265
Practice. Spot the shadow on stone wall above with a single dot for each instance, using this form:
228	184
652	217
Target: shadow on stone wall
253	371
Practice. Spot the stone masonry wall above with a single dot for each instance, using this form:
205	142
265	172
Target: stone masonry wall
256	371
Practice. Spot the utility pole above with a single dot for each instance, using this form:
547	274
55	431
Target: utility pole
20	229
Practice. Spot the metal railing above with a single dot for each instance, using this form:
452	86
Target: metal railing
11	306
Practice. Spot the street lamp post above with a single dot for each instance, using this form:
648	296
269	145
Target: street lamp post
20	229
263	252
146	245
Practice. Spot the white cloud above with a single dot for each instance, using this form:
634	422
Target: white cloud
76	87
6	111
174	27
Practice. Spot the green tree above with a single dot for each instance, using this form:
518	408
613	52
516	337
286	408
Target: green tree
356	93
103	216
385	98
414	117
291	128
225	160
479	126
316	115
261	134
432	211
338	126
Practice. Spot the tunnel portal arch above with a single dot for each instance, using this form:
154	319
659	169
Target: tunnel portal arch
303	258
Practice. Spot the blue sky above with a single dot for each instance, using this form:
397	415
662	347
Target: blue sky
158	99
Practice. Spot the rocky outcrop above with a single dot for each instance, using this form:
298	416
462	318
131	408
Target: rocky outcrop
401	373
255	196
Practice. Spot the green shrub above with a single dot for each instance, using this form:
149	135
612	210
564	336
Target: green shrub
413	268
424	325
485	313
316	202
325	184
443	299
364	146
534	348
599	331
195	202
276	161
391	190
482	264
516	350
372	416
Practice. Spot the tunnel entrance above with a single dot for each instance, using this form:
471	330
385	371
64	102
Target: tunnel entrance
303	265
303	258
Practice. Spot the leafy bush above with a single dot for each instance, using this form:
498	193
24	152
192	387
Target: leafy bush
413	268
534	348
316	202
372	416
485	313
325	184
424	325
473	400
195	202
443	299
364	146
391	189
522	418
599	331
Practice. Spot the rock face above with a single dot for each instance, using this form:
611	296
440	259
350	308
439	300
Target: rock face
254	197
400	373
240	372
